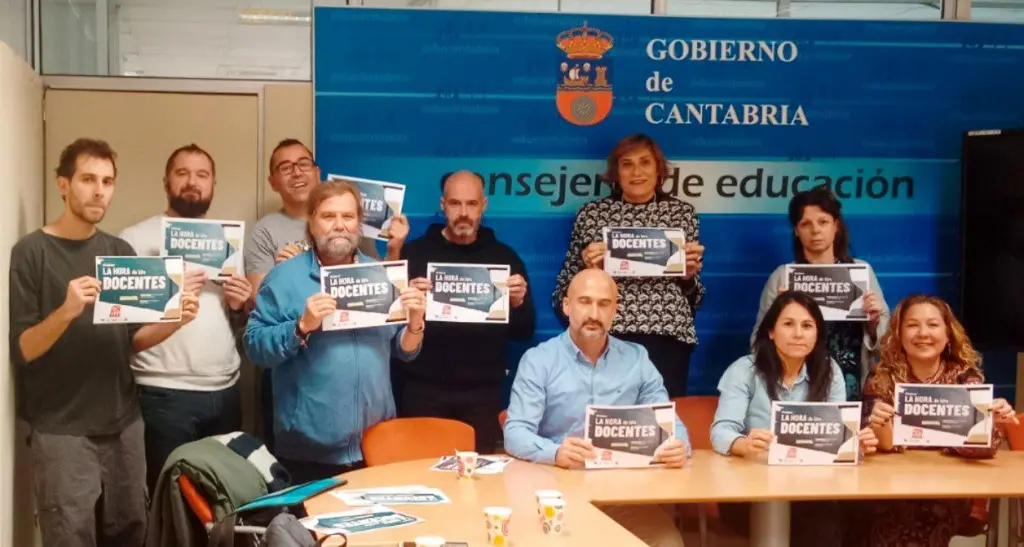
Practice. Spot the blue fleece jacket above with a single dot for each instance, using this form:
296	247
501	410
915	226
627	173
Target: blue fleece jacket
327	393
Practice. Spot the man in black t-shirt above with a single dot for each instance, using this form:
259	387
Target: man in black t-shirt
75	382
460	369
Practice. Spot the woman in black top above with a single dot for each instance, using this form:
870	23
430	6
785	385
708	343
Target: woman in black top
655	312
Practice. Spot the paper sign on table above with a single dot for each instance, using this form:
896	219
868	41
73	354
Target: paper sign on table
943	415
359	521
815	433
138	289
485	465
213	245
644	252
367	295
468	293
837	288
416	494
628	436
381	202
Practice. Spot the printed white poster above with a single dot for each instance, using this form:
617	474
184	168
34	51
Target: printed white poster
943	415
644	252
213	245
381	202
815	433
139	289
837	288
628	436
367	295
468	293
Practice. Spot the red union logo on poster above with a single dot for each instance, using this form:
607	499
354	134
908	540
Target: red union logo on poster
584	92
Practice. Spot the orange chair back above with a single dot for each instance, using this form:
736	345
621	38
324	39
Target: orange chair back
195	500
405	439
1015	434
697	413
502	418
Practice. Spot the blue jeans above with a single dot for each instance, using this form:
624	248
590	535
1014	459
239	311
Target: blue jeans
175	417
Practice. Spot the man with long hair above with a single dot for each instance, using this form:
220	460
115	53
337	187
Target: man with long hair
328	386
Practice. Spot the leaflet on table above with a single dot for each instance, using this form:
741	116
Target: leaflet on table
415	494
381	202
644	252
628	436
837	288
368	295
138	289
815	433
943	415
468	293
359	521
213	245
485	465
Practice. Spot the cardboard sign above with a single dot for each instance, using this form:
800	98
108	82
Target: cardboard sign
468	293
815	433
214	245
837	288
368	295
628	436
139	289
943	415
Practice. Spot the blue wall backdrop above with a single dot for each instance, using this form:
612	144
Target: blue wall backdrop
754	110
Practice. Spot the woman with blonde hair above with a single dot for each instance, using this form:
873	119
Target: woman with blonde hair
925	344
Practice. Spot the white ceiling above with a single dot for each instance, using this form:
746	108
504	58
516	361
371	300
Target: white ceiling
210	39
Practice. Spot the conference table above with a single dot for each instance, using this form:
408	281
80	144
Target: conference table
708	477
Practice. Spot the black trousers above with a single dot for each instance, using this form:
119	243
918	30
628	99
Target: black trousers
175	417
303	472
478	407
670	356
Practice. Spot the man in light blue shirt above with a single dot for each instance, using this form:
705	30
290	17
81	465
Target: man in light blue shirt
584	365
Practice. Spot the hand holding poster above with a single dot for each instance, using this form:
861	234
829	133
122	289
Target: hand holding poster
381	202
139	289
815	433
943	415
644	252
628	436
468	293
837	288
214	245
367	295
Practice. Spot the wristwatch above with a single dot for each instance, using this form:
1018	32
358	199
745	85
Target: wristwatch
303	337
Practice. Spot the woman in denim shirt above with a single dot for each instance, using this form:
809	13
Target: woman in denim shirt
790	362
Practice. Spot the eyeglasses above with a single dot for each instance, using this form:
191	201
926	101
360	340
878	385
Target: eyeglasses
287	168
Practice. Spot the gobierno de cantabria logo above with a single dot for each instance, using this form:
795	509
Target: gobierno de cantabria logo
584	95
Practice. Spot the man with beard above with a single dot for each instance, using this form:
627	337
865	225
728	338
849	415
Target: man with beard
465	385
329	386
281	235
585	366
188	385
75	382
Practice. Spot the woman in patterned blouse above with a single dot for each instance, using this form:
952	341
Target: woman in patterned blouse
820	237
925	345
655	312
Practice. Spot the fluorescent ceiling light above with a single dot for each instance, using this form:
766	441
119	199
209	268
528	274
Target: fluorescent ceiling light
273	17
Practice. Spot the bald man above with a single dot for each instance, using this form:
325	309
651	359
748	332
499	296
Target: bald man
586	366
460	370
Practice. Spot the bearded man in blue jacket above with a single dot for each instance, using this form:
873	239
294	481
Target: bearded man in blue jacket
329	386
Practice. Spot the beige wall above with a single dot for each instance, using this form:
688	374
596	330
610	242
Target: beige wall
21	211
287	113
143	128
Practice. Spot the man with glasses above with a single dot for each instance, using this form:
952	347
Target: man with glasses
281	235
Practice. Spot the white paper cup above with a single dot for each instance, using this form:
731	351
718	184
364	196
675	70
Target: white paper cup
552	515
541	494
466	464
429	541
497	519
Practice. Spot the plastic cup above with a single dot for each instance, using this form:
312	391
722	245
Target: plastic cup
552	515
541	494
429	541
466	464
497	524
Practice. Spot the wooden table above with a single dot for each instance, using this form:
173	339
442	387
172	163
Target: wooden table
708	478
